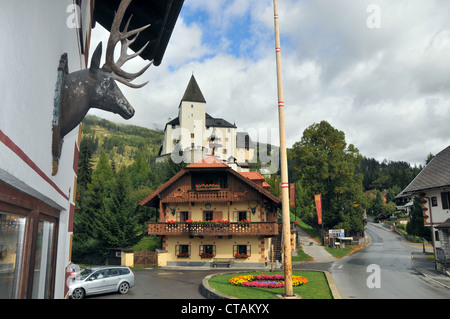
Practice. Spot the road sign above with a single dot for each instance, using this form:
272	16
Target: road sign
336	233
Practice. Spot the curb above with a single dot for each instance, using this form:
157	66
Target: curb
430	278
334	291
210	293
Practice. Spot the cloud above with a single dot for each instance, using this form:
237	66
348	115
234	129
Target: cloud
387	88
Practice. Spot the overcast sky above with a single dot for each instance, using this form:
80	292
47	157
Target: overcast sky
378	70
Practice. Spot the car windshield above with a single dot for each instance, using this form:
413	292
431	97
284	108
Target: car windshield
84	273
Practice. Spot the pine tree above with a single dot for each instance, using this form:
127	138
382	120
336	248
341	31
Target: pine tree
118	226
415	225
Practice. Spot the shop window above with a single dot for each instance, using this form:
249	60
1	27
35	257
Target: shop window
28	241
43	260
12	233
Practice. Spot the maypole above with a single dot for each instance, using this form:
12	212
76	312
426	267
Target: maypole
284	171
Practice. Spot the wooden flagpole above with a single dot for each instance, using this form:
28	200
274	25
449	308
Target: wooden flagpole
284	171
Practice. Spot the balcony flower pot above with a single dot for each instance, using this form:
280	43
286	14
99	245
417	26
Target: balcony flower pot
207	187
244	223
183	255
172	224
241	256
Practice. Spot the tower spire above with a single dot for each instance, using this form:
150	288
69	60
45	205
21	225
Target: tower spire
193	92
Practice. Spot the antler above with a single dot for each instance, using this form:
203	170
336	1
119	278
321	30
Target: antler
116	36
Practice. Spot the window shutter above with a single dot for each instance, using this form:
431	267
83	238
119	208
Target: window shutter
217	215
444	198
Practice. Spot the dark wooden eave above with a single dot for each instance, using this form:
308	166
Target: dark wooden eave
154	198
160	14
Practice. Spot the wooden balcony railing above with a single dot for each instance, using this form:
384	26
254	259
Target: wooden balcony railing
209	229
209	195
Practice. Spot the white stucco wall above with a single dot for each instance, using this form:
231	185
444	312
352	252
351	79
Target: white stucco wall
34	35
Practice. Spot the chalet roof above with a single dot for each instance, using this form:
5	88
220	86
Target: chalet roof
435	175
257	178
209	163
162	16
193	93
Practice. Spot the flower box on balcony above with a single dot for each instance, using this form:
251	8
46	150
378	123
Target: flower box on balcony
241	256
183	255
206	255
207	187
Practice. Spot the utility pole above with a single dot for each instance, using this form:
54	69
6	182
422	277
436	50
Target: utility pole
284	172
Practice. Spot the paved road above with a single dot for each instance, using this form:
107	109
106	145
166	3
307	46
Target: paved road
356	276
397	277
165	284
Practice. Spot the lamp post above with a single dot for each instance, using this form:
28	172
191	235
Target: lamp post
284	172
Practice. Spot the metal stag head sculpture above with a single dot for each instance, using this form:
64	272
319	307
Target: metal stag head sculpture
95	87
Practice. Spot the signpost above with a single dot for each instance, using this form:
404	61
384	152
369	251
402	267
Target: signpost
336	233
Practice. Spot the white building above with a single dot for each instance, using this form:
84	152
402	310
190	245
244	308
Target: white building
432	184
194	134
37	207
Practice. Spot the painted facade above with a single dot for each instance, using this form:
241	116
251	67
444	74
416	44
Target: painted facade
209	211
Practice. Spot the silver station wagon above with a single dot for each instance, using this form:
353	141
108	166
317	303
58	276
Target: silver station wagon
99	280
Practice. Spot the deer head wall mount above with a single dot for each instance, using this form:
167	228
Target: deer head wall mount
95	87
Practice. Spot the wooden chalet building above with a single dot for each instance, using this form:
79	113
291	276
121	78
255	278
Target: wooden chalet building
210	213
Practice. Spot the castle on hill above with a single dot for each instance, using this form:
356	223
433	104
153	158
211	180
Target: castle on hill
194	135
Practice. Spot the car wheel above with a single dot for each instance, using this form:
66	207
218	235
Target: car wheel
78	293
124	288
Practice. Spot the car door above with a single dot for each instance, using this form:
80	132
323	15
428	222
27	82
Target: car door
112	279
95	283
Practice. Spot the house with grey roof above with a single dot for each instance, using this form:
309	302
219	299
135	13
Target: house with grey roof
433	185
194	134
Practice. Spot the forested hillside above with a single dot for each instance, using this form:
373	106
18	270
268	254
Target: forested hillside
121	142
116	170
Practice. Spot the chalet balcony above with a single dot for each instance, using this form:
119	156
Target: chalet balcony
209	195
214	229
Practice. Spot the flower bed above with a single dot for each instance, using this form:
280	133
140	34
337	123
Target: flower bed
266	281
